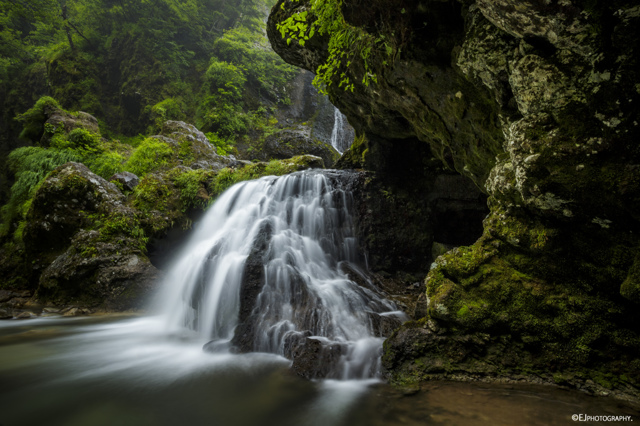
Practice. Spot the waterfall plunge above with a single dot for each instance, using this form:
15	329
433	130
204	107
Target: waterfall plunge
303	223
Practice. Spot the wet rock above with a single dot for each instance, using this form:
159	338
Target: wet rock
5	314
312	358
17	302
7	295
25	315
127	179
290	143
252	284
383	325
114	276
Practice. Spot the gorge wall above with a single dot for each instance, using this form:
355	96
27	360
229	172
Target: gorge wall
536	103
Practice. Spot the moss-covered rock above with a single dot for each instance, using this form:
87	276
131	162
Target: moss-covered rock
293	142
86	244
538	104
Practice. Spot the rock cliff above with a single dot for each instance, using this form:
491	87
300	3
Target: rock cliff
537	103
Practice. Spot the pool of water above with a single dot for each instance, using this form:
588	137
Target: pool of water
118	370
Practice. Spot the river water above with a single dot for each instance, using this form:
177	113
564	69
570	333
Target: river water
117	370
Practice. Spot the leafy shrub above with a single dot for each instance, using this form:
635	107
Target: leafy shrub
78	139
225	79
30	166
223	146
150	155
106	164
168	109
34	118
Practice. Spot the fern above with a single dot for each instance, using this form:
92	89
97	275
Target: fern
30	166
346	44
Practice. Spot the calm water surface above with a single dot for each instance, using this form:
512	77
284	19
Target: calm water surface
128	371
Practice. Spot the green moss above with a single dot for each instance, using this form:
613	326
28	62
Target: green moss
151	154
228	177
153	193
34	118
192	185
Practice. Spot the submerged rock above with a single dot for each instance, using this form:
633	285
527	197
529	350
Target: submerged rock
313	358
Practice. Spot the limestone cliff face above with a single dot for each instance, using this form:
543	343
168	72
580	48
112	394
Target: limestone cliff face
537	103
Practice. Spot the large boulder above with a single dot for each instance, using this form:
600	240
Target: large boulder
60	120
65	202
191	147
87	245
293	142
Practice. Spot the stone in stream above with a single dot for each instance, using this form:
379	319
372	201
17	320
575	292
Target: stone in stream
312	358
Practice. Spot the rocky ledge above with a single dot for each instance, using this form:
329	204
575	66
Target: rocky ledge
536	103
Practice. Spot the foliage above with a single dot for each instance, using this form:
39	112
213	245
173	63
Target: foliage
264	69
348	44
33	119
150	155
228	177
168	109
192	188
223	146
30	166
106	164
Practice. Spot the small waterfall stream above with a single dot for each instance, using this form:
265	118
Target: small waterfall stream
339	138
266	271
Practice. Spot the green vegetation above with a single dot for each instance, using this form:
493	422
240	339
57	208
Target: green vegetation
30	166
135	65
150	155
349	46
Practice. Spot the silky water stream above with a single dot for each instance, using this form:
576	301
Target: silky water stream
264	279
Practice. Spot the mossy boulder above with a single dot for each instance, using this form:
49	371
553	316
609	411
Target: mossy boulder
293	142
59	120
63	204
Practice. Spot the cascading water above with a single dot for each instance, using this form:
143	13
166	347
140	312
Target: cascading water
266	271
338	135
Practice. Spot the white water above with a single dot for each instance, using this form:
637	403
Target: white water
338	135
305	222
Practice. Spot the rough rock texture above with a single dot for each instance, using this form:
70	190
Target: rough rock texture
127	179
289	143
62	205
537	103
58	118
104	267
410	203
191	146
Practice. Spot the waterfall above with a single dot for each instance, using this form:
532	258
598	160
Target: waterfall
338	136
268	270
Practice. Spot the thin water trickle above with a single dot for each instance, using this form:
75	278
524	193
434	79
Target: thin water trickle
339	138
293	236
